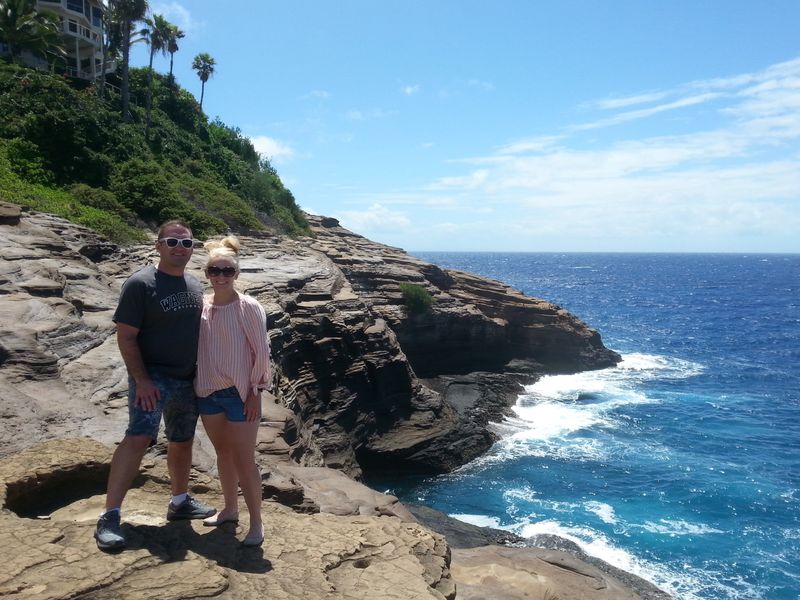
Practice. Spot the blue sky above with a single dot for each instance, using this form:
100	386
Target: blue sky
518	125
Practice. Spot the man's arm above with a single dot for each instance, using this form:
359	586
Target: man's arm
147	393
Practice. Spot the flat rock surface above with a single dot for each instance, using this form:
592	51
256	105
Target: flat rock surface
499	573
49	552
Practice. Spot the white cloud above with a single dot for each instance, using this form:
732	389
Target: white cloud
375	218
624	102
469	182
648	112
178	14
530	145
733	175
410	90
272	149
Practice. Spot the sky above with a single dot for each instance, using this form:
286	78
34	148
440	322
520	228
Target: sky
513	125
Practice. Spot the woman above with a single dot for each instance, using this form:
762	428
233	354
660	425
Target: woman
233	367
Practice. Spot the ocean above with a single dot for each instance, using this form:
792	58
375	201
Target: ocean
680	465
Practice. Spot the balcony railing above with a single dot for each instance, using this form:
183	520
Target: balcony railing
76	29
87	74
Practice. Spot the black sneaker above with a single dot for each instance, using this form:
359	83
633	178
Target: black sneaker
108	533
189	509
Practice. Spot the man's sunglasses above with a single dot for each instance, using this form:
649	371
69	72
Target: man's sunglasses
172	242
224	271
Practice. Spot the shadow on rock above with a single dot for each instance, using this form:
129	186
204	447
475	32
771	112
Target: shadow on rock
173	541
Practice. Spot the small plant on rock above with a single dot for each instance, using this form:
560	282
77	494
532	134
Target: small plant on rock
416	298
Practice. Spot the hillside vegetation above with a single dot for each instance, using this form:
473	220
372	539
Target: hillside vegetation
67	151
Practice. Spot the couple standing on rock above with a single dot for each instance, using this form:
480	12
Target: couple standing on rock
189	355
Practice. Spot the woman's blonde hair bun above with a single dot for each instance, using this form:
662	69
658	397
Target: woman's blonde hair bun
228	246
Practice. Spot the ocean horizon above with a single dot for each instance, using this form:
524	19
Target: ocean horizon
680	464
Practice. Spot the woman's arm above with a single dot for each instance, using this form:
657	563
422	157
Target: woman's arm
255	320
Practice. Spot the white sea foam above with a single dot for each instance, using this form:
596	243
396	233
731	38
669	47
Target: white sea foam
615	381
558	407
651	366
678	527
790	533
684	582
526	493
552	419
478	520
602	510
522	444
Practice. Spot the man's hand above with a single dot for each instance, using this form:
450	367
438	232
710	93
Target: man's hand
147	395
252	407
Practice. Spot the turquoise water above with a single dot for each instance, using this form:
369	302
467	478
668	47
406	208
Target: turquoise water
681	464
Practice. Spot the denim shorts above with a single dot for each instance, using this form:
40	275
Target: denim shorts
177	404
226	401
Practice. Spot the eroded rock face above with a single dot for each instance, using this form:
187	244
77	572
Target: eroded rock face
367	385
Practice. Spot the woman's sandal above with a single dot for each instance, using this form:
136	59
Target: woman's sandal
217	520
252	541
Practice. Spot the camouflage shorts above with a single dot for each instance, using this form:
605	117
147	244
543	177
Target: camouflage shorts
177	404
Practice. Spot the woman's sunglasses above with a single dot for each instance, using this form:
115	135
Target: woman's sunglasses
224	271
172	242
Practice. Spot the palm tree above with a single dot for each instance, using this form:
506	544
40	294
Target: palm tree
204	65
175	34
157	35
24	28
128	13
112	42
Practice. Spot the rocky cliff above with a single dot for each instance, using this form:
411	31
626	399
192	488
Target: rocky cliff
369	385
362	385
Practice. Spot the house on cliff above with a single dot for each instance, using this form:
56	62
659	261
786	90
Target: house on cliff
81	27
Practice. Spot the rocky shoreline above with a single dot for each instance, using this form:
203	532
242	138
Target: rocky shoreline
362	387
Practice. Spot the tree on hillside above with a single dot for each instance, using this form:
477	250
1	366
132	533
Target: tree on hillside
157	36
127	13
175	34
112	43
204	65
24	28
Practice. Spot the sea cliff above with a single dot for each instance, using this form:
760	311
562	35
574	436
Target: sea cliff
362	385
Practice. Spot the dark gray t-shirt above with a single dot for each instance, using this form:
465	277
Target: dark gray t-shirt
166	310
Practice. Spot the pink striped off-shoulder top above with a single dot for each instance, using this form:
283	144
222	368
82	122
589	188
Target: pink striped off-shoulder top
233	349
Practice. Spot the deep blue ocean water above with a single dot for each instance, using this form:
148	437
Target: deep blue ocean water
682	464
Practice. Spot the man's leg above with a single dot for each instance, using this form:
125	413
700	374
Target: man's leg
124	467
180	422
179	463
142	429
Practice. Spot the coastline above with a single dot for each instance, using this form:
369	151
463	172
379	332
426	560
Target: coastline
339	329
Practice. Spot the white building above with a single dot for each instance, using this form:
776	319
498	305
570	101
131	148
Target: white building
81	23
82	29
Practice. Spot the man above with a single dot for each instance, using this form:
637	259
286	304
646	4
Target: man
158	321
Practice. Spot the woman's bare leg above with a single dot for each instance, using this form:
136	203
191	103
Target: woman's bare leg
242	438
216	427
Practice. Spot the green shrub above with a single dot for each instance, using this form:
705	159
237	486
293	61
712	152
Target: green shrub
26	160
416	298
107	224
102	199
76	143
62	203
144	187
217	201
